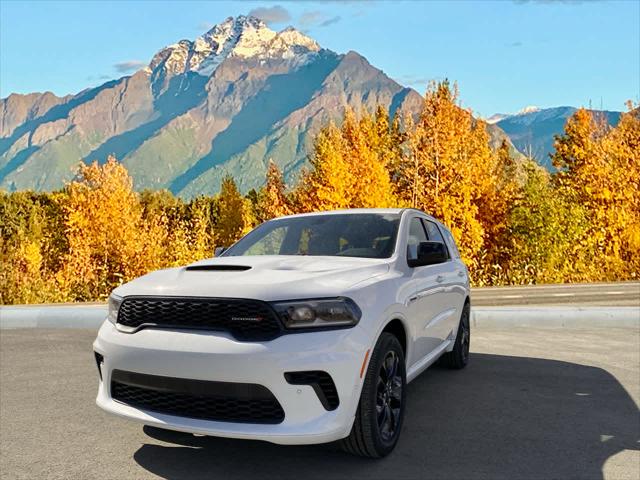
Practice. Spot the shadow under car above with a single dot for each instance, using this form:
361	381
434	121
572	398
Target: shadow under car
501	417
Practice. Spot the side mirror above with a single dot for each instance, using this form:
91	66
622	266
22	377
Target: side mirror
430	253
219	251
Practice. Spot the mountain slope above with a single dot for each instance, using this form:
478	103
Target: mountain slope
532	130
224	103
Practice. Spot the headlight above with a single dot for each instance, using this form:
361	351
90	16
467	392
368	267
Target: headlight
114	303
330	312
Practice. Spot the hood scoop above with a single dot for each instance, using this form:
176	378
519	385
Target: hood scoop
219	268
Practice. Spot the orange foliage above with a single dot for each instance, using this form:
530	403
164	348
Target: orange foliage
514	222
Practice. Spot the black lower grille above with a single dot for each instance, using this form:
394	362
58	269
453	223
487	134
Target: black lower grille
322	384
219	401
244	319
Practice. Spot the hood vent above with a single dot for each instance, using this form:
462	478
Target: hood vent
219	268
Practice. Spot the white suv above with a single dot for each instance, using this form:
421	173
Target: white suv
307	330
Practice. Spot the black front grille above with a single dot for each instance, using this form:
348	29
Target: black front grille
206	400
244	319
322	384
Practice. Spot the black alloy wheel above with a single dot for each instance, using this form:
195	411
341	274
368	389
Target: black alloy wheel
389	396
380	413
458	358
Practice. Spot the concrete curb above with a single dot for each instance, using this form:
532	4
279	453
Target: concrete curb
52	316
559	316
92	316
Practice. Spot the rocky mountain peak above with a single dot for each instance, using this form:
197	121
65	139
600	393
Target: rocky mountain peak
241	36
223	103
528	109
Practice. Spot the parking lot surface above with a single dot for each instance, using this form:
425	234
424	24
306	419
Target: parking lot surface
533	404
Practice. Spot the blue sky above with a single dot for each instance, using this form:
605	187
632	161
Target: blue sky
504	54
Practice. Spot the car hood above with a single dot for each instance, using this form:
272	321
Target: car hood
260	277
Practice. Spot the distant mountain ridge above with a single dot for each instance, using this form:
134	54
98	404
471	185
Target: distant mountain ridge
532	130
224	103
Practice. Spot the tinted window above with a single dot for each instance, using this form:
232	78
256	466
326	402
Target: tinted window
433	232
269	244
348	235
416	235
453	248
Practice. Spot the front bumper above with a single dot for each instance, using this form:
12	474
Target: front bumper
216	356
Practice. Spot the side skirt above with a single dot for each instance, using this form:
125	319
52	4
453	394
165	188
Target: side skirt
420	366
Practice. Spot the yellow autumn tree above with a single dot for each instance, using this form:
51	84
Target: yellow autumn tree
366	151
326	185
448	170
388	138
599	168
272	199
22	279
348	168
622	147
103	224
495	202
32	242
233	214
166	239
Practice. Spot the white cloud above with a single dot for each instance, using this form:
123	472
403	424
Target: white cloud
316	18
413	80
129	66
275	14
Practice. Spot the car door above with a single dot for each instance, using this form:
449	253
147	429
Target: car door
454	276
428	305
457	277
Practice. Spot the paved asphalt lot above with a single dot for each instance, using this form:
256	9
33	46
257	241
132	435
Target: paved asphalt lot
533	403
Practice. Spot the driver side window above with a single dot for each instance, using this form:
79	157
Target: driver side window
416	235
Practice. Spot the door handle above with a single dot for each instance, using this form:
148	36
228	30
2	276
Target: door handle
440	279
460	273
413	299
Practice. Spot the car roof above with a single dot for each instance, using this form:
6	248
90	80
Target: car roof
378	211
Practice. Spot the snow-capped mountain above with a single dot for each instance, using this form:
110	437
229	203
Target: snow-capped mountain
223	103
532	129
497	117
245	37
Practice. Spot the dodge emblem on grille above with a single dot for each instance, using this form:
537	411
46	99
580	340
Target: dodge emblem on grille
246	319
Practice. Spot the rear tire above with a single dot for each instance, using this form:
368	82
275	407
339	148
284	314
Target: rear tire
378	421
459	356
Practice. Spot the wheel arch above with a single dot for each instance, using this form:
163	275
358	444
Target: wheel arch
398	329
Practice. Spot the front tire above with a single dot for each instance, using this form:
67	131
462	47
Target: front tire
378	421
459	356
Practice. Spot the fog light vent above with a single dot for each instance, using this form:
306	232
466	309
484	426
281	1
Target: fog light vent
99	363
322	384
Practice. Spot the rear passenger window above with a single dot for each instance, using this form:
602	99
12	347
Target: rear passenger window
433	232
453	248
416	235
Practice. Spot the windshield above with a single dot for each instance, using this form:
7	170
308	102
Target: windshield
366	235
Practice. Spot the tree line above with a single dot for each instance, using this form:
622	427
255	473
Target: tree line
515	223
